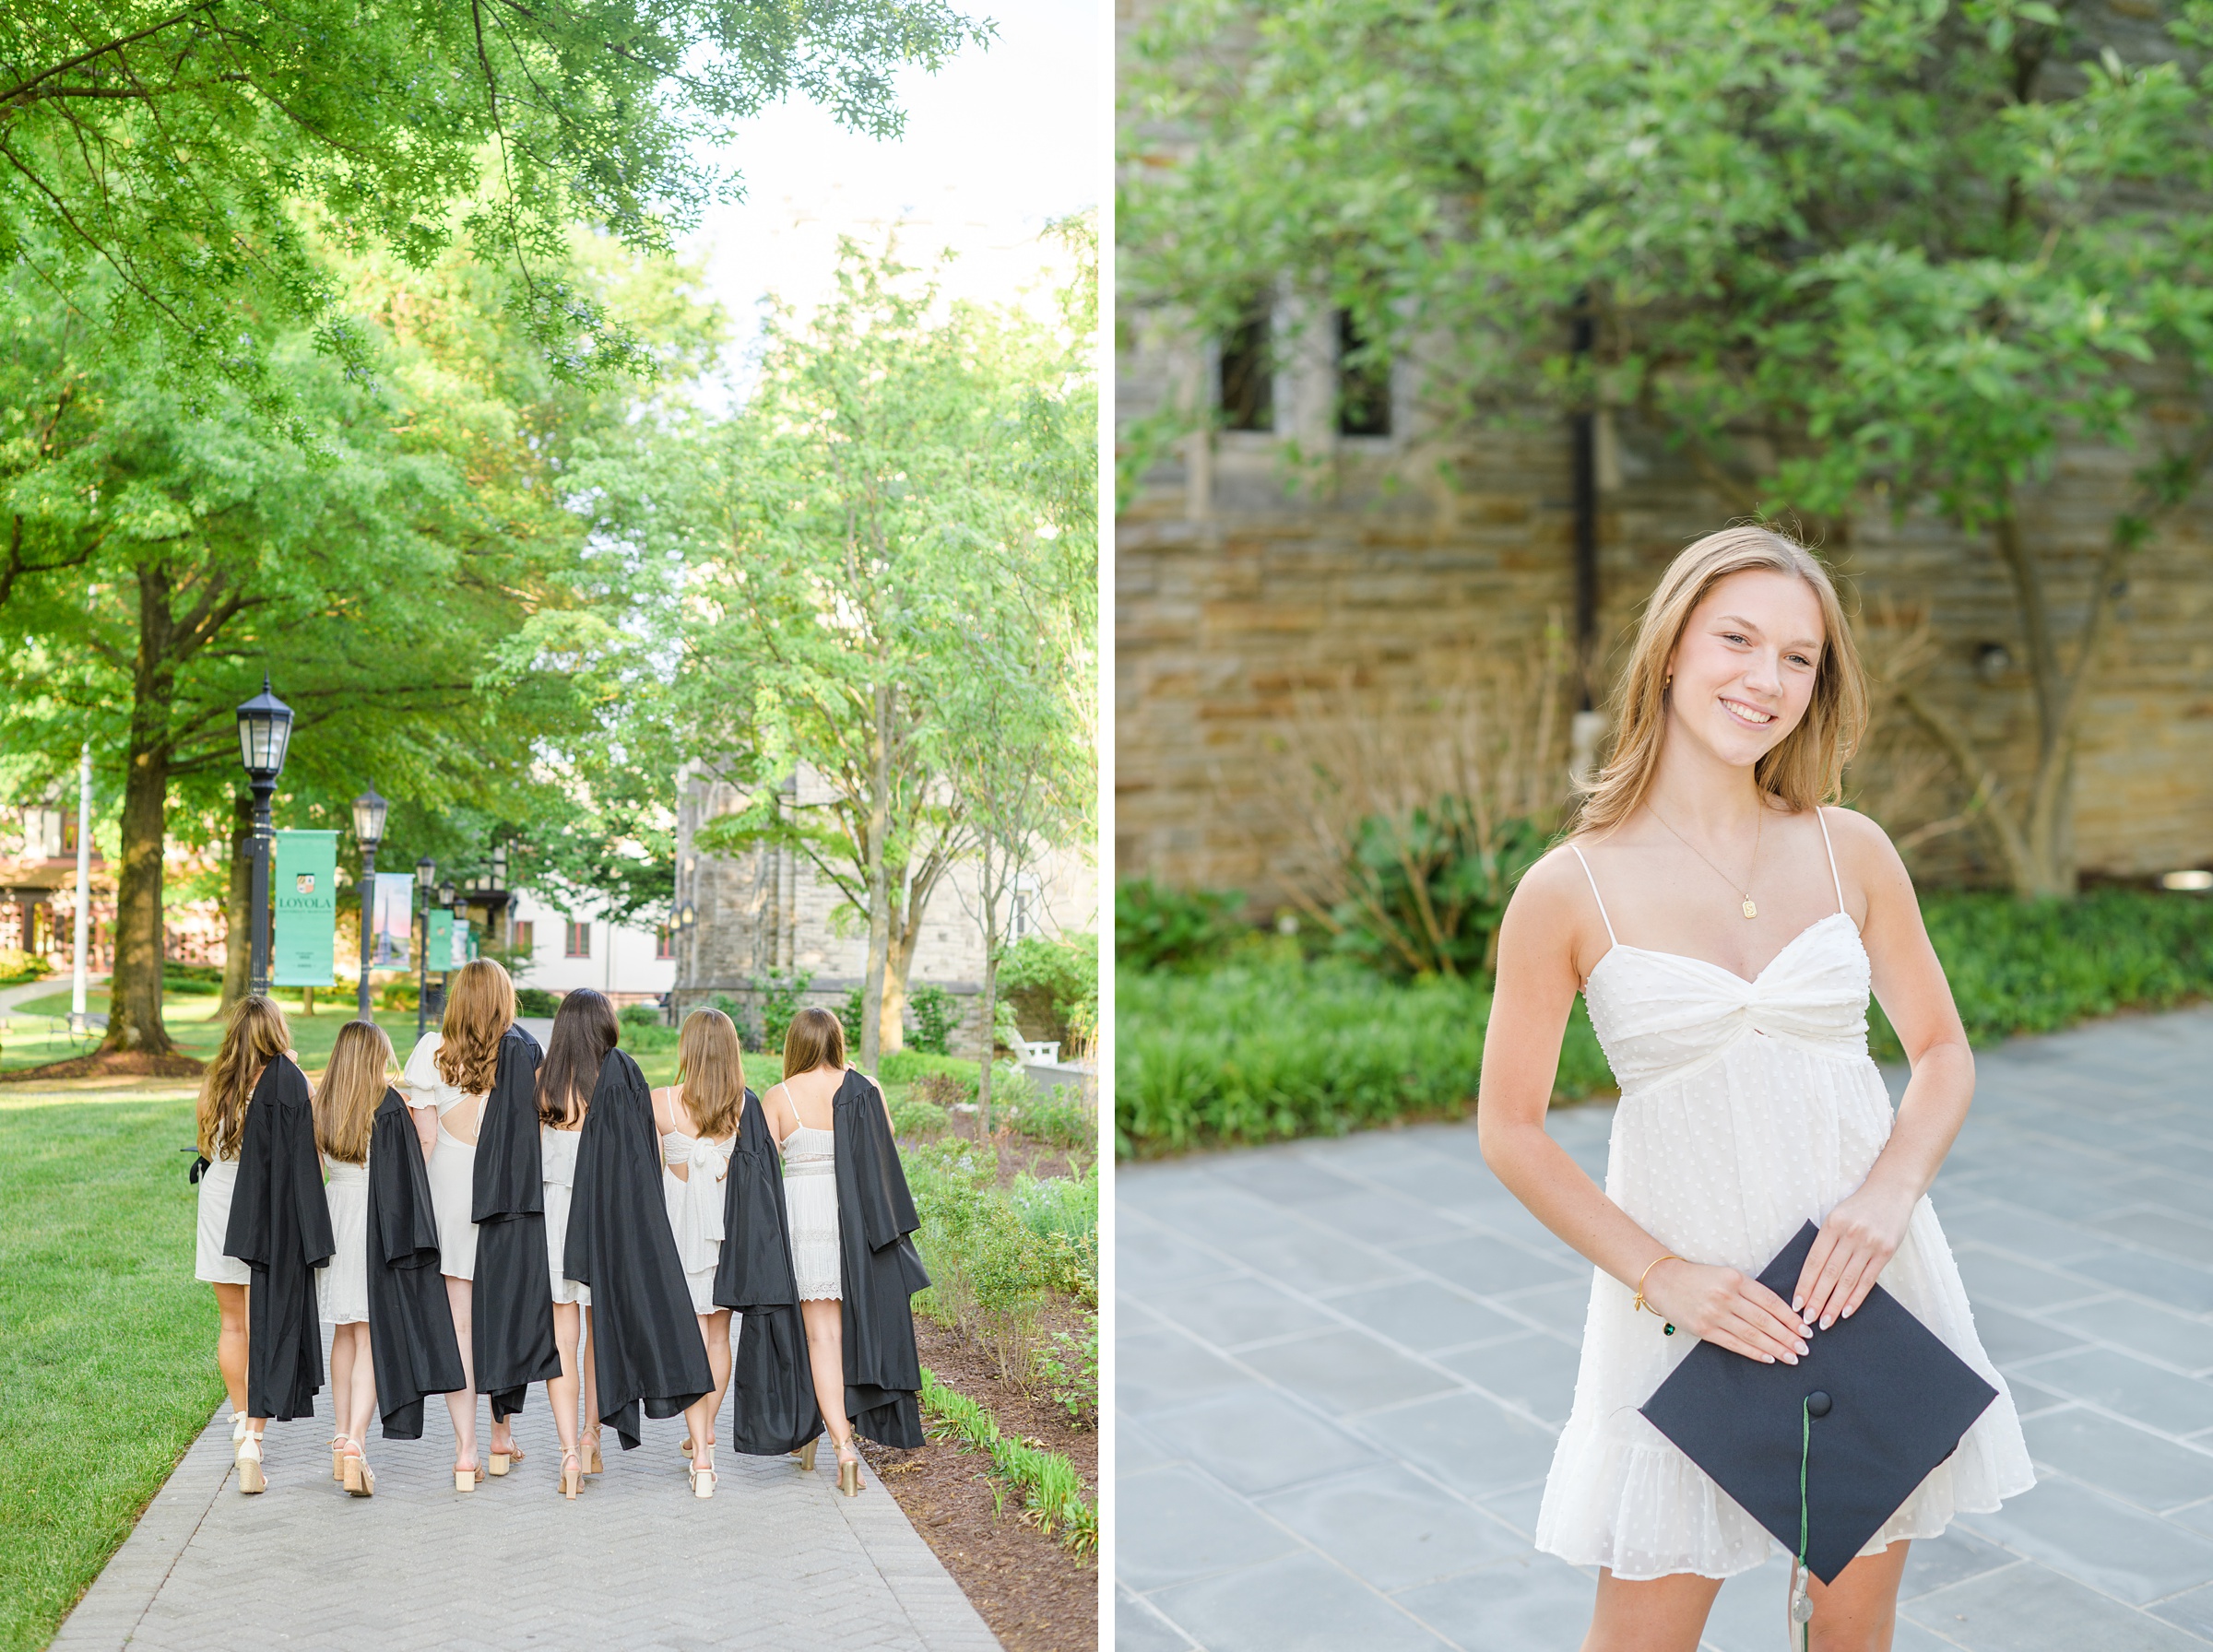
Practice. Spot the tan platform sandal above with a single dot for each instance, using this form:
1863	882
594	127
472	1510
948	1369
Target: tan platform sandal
571	1475
848	1468
504	1461
465	1480
359	1480
251	1480
337	1459
703	1480
592	1463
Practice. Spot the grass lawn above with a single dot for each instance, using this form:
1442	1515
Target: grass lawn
107	1342
37	1032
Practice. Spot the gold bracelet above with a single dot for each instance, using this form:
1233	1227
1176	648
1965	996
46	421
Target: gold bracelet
1655	1262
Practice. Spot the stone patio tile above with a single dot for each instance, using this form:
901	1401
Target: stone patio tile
1217	1212
2111	1545
1347	1371
1262	1442
1313	1260
1283	1176
1299	1603
2012	1283
1747	1612
1228	1312
2148	1470
1138	1628
1424	1315
1518	1508
1392	1527
1447	1183
1488	1267
1175	1524
2004	1228
2028	1608
1564	1308
2141	1392
2163	1231
1514	1221
1470	1442
1148	1258
1157	1370
1382	1218
1536	1370
2076	1198
2184	1341
2184	1181
2191	1610
1938	1562
1533	1603
2009	1337
2164	1282
1137	1448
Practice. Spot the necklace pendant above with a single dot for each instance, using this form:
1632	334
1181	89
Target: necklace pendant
1750	911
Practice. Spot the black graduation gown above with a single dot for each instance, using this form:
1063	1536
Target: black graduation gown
772	1407
875	1218
281	1229
411	1343
512	1304
646	1349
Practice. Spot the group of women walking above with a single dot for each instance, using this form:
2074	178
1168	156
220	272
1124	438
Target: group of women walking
503	1216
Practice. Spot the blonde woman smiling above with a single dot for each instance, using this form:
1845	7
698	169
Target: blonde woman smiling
1725	928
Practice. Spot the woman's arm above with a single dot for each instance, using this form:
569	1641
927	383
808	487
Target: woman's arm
1544	930
1865	1231
426	1126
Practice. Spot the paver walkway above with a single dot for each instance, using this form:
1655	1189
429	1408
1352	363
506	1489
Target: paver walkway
1343	1364
777	1558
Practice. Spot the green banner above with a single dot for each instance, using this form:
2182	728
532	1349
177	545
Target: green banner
438	942
303	886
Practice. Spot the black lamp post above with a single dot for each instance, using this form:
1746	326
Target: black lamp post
369	831
265	729
426	874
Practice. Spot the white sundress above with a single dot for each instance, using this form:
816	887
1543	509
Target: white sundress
694	1204
342	1285
1747	1108
557	1166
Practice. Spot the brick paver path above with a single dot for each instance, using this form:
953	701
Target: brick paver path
1343	1365
777	1558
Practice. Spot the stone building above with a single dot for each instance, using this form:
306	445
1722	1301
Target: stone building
769	913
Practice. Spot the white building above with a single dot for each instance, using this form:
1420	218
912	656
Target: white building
572	944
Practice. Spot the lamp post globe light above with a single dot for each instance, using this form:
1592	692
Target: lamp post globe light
426	875
265	730
369	832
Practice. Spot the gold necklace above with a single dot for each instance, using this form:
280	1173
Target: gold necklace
1744	894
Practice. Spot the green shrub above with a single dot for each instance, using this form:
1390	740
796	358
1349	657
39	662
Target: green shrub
648	1038
1068	1369
1425	889
535	1002
1052	1492
850	1013
903	1066
1156	928
782	996
916	1115
178	980
641	1015
1054	985
402	994
1277	1048
17	965
993	1253
935	1014
1061	1117
2019	966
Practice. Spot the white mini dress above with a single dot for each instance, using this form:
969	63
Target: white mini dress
1747	1108
342	1283
695	1201
209	1261
810	1206
557	1160
452	1167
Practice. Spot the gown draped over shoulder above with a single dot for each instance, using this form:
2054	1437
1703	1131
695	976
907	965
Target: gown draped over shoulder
1747	1108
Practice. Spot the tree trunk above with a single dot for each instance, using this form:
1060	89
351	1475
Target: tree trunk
983	1077
880	909
134	987
238	905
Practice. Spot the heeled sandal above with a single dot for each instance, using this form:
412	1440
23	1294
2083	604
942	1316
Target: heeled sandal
571	1475
848	1468
465	1480
592	1462
358	1479
703	1480
337	1459
504	1461
247	1456
805	1455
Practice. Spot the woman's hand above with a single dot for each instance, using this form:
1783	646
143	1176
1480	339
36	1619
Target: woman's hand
1724	1306
1856	1244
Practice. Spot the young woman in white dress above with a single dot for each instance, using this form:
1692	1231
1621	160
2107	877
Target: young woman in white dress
585	1029
1725	930
354	1083
697	1118
447	1077
256	1037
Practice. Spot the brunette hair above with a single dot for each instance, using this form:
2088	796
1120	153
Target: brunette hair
256	1037
1806	766
815	1038
481	1009
352	1085
710	1072
585	1029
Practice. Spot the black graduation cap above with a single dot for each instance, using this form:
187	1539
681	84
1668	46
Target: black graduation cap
1888	1403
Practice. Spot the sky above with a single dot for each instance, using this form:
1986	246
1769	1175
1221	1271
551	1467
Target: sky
1000	141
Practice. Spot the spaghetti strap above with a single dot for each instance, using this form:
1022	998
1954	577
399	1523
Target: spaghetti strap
1835	880
1611	937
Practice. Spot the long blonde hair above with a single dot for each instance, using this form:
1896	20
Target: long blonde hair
480	1010
352	1085
256	1037
710	1072
815	1038
1806	767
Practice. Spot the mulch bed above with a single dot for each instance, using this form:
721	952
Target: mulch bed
1035	1595
110	1064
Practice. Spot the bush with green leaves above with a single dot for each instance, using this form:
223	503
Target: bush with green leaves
1053	985
1425	890
782	996
850	1012
1058	1113
1156	928
937	1015
1278	1047
905	1066
17	965
536	1002
1052	1492
916	1114
993	1253
178	980
1068	1369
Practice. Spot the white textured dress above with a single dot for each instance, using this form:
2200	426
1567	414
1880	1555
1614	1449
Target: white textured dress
212	1230
1747	1108
453	1166
342	1285
557	1165
695	1205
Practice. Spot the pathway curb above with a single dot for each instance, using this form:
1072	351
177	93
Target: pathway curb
112	1607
